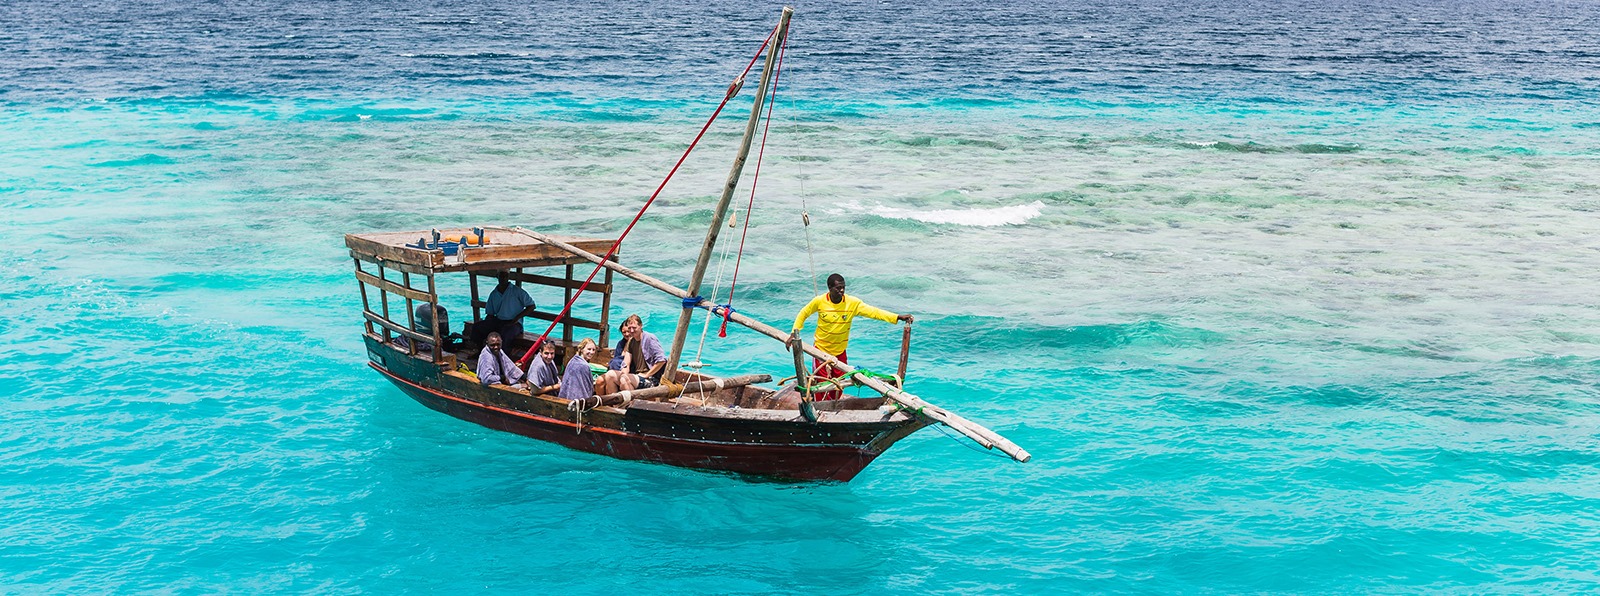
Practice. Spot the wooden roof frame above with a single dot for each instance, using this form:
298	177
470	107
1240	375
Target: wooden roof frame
504	250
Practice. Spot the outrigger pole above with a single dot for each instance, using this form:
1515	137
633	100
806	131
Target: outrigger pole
977	432
681	334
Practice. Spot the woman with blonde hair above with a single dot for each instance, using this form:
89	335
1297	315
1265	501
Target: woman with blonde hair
577	381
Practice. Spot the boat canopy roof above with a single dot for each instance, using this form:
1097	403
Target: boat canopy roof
466	249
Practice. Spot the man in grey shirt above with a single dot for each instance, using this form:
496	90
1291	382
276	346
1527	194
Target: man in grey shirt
638	360
544	375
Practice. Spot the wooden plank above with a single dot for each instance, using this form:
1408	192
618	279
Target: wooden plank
379	250
556	282
485	266
395	327
504	251
668	391
905	353
472	278
395	265
363	288
433	317
394	288
550	316
576	322
411	311
383	300
566	326
516	252
605	313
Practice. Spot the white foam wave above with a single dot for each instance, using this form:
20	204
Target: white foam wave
1013	215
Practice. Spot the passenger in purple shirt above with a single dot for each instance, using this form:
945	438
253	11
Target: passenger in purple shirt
495	367
637	362
544	375
578	381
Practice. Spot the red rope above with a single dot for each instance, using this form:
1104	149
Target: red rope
618	244
754	180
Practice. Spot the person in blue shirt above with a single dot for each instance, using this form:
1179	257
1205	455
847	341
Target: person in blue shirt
503	311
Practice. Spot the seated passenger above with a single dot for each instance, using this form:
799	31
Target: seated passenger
637	362
495	367
503	311
578	381
544	375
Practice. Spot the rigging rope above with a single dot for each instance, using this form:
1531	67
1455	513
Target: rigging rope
777	74
733	89
705	326
805	213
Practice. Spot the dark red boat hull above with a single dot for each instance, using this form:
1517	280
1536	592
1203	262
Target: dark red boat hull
801	462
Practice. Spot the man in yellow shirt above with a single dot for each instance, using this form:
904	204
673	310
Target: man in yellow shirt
835	310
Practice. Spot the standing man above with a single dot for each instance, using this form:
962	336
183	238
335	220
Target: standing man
503	311
835	310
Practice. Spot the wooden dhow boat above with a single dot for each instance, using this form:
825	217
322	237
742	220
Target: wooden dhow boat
692	420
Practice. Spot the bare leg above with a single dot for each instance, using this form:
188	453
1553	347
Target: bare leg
611	382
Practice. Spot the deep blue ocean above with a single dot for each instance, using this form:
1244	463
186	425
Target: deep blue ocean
1283	297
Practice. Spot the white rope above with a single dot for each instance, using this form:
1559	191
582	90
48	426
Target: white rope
805	212
705	326
578	407
805	222
716	286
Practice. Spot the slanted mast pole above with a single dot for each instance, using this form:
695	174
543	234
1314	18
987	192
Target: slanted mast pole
681	333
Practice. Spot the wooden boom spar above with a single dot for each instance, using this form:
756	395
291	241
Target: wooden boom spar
977	432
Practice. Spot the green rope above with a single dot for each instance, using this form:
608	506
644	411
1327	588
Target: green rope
876	375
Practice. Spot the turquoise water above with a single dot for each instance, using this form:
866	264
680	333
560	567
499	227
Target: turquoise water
1259	335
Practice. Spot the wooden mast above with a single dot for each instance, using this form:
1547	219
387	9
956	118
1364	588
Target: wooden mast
977	432
681	333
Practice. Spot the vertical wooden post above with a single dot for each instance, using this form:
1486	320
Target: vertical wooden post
411	312
605	313
433	303
905	354
383	298
566	322
802	381
472	281
365	306
681	333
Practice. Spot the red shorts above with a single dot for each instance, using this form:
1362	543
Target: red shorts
823	370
